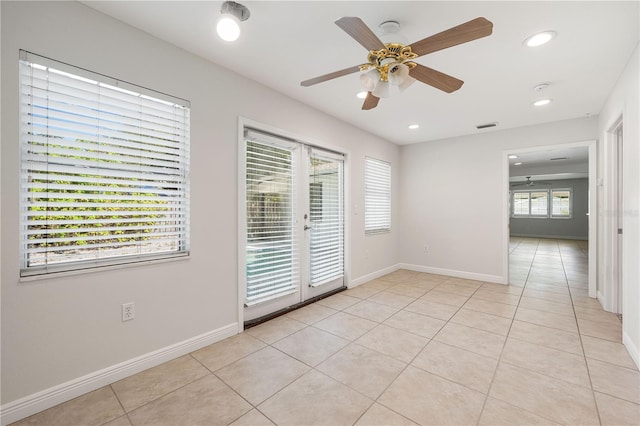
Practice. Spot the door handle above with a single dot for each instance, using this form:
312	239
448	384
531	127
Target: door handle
306	227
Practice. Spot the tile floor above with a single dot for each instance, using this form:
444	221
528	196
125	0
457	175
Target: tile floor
408	348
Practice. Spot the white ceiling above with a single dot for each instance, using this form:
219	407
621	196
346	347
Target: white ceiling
286	42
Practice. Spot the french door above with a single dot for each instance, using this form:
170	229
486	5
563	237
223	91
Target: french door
294	238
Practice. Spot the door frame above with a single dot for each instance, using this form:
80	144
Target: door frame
244	122
593	206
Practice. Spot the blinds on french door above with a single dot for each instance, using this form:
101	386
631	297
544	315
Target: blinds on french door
326	214
272	252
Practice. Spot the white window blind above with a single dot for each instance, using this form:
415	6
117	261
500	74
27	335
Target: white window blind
377	196
104	170
272	252
326	206
531	203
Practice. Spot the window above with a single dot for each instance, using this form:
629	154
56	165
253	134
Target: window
530	203
561	203
105	170
377	196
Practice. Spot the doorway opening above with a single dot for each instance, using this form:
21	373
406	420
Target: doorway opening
550	204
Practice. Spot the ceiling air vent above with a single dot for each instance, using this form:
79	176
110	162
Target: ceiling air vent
486	126
557	158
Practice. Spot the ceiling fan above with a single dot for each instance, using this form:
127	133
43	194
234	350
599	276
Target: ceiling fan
529	182
392	63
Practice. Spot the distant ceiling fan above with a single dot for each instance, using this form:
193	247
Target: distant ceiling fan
529	182
392	63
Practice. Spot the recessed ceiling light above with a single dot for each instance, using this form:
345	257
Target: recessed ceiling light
540	38
542	102
413	126
513	156
517	164
361	95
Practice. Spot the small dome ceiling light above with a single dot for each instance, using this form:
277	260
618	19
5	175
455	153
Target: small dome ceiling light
542	102
540	38
517	164
228	26
413	126
513	156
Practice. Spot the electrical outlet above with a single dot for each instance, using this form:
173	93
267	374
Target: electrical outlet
425	248
128	311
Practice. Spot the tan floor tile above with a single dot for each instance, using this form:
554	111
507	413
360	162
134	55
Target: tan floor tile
586	301
607	351
623	383
546	306
338	301
393	342
596	315
254	382
399	276
607	331
462	290
562	289
548	319
253	418
482	321
205	401
458	365
315	399
491	308
494	296
371	311
275	329
311	314
227	351
550	362
546	295
311	345
155	382
435	310
379	415
361	292
471	339
430	400
93	408
377	284
499	413
617	412
502	288
345	325
562	402
463	282
545	336
436	296
410	290
120	421
365	370
419	324
391	299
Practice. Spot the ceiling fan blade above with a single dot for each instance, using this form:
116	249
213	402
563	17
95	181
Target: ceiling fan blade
359	31
370	102
472	30
330	76
435	78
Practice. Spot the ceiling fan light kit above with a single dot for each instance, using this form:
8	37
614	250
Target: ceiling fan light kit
228	26
393	62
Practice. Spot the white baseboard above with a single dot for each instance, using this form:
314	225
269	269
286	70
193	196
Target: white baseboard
372	276
632	348
554	237
453	273
31	404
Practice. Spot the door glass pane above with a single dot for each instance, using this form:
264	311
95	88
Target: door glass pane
272	260
326	218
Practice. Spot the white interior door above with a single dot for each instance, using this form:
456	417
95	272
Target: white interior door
294	215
